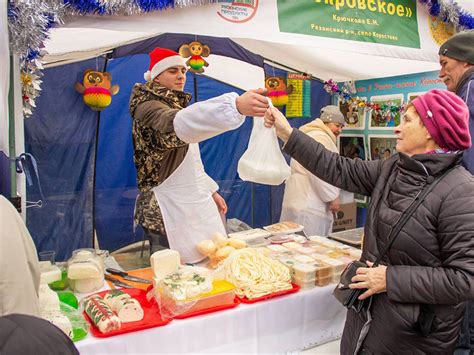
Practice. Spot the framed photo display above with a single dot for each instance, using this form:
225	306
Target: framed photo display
413	95
352	146
355	119
382	146
382	120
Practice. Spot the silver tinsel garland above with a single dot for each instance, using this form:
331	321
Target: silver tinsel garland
28	26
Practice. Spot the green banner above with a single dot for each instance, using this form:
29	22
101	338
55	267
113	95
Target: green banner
380	21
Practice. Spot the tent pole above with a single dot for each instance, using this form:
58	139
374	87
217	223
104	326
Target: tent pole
195	88
292	69
96	144
252	202
11	131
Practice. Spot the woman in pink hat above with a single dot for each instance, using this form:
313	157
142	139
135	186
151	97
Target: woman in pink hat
415	298
178	204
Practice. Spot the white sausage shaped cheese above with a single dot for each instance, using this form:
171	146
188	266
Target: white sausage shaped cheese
101	314
127	308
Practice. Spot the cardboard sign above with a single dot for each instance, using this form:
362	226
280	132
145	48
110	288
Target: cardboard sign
345	218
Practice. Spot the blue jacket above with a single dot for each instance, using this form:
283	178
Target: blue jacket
465	90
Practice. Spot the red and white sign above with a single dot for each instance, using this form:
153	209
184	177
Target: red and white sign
237	11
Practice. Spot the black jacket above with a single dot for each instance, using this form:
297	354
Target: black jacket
432	259
22	334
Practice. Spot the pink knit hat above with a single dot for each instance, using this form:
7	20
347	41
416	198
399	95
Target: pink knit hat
446	117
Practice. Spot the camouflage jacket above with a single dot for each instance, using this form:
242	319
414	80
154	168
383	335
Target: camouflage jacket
157	149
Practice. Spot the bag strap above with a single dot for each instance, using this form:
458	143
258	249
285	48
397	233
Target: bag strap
409	212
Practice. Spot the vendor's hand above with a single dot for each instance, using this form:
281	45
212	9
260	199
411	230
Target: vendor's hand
273	117
374	279
252	103
334	205
220	202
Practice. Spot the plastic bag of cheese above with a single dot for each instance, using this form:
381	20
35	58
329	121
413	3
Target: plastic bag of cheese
263	161
178	292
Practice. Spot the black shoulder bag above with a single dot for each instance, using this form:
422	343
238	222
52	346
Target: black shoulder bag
350	297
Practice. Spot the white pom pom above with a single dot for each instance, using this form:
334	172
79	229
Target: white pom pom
147	76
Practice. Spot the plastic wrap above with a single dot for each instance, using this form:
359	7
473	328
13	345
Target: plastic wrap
179	292
85	271
80	328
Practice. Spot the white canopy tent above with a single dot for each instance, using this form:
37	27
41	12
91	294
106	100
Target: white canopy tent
86	36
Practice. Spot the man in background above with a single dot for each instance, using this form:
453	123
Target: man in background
456	57
309	200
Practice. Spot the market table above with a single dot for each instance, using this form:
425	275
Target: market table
288	323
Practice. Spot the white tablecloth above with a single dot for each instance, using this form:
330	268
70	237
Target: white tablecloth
288	323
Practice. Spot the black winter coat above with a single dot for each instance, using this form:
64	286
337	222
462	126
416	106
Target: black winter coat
432	260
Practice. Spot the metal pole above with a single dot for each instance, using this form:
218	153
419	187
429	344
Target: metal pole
11	130
94	173
195	88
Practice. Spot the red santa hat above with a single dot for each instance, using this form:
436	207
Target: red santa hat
162	59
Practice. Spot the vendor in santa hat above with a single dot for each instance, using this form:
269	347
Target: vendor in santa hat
178	204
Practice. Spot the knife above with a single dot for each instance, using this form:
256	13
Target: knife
126	276
117	282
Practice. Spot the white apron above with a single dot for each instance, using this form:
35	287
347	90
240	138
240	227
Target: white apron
190	215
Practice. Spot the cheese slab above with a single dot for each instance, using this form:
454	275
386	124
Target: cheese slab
164	262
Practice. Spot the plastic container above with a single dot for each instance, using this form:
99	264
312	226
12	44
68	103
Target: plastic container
289	263
351	236
264	250
337	265
86	285
222	294
323	281
323	270
305	284
304	272
355	254
47	255
258	243
49	272
292	245
276	248
85	271
305	250
284	228
302	258
250	235
280	239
